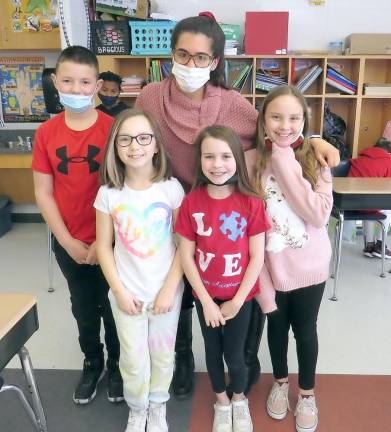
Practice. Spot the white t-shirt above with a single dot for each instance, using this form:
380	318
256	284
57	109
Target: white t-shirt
144	240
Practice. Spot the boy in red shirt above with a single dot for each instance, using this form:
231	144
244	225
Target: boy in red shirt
68	150
374	162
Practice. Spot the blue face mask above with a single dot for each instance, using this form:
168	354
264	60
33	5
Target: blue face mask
76	103
107	100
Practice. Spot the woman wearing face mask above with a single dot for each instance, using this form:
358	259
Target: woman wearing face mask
193	97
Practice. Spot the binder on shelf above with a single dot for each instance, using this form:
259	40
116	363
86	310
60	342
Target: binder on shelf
339	86
308	78
266	33
377	89
337	76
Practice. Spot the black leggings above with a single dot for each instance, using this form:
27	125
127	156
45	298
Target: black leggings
298	308
227	340
90	304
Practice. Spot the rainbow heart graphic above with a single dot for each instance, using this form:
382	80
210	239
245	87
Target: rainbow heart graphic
143	232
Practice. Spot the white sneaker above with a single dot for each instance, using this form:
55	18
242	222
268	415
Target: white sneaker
241	419
222	421
306	414
136	421
157	418
277	404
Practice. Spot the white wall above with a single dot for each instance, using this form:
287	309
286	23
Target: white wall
310	27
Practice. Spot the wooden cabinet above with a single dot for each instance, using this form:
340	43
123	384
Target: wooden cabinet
16	178
365	115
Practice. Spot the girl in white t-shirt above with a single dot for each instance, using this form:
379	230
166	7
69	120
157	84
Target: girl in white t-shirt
136	206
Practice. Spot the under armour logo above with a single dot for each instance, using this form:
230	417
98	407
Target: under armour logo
93	166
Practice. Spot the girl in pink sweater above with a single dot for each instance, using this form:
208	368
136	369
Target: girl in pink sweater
298	194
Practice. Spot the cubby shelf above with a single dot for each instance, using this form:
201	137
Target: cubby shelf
365	115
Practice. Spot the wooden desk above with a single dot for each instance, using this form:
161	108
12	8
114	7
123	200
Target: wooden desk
358	193
18	321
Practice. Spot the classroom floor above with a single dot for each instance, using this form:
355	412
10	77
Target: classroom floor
353	333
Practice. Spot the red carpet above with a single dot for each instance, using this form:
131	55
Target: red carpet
349	403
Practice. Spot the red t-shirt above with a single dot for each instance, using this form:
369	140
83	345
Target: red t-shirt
73	159
221	229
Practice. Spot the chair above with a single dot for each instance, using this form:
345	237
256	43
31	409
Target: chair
342	170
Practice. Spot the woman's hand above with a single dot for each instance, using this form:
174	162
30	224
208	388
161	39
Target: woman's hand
326	154
212	314
230	308
127	302
164	301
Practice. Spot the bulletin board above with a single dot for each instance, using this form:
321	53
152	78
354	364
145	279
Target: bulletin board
32	15
21	89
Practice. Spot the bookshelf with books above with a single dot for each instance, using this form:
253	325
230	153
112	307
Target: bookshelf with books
365	114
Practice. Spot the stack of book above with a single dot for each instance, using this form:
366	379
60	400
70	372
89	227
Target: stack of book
308	77
377	89
131	86
341	82
264	81
238	75
159	70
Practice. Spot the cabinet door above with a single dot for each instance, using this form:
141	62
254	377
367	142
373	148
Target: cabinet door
10	40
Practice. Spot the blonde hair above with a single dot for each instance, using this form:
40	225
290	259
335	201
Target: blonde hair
112	170
228	135
304	154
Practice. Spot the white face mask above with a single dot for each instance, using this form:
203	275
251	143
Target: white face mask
190	79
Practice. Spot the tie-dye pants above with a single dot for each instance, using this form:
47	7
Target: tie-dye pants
146	362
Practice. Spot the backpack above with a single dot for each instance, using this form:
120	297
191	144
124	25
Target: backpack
334	128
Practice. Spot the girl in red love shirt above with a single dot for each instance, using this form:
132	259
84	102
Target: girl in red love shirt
221	226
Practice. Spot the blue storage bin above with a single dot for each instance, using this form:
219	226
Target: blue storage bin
5	214
151	37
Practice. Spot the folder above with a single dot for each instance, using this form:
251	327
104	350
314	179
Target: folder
266	33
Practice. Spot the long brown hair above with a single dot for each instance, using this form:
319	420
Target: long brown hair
112	170
228	135
304	154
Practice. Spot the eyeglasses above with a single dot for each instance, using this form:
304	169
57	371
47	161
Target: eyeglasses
125	140
183	57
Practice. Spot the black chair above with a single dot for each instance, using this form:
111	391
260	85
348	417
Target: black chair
342	170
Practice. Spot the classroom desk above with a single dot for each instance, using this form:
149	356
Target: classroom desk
18	321
358	193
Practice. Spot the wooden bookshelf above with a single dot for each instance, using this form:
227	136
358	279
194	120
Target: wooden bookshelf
365	116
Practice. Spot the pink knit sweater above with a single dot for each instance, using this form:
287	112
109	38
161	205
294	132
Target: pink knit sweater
181	118
298	249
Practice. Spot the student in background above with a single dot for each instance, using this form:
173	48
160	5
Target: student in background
109	94
193	97
298	195
221	225
374	162
137	206
67	153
